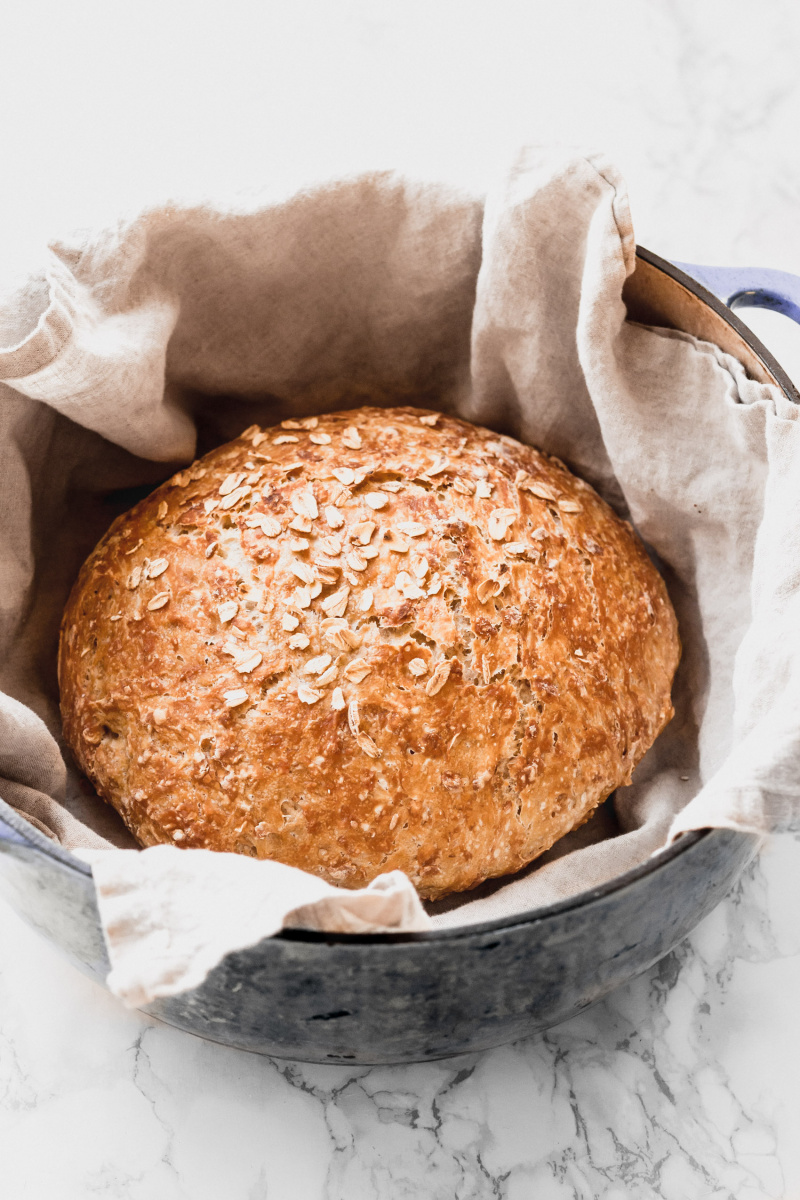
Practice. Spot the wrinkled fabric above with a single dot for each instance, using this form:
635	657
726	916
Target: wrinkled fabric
143	345
169	917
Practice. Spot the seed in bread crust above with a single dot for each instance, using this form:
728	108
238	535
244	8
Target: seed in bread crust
339	638
231	482
302	571
357	670
247	664
235	697
396	543
537	489
305	505
235	497
412	529
440	464
227	610
366	744
363	531
158	601
500	521
485	590
335	605
438	679
334	517
268	525
355	561
327	573
315	666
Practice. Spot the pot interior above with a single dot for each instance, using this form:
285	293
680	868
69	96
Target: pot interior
657	293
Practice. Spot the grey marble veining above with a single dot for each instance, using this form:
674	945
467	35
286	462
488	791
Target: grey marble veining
681	1085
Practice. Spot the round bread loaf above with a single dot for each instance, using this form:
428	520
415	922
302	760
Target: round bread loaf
374	640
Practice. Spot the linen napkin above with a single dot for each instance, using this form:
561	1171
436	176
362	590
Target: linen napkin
169	917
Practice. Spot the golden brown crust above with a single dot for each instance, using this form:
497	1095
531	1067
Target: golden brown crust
377	640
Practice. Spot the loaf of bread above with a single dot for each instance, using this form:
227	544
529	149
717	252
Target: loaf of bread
374	640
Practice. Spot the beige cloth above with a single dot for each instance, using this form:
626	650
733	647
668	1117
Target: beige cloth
169	916
194	323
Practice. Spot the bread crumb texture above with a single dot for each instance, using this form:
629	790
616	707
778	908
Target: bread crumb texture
373	640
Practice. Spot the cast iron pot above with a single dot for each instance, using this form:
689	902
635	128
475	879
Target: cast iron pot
390	998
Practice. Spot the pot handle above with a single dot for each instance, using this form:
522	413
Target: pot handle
750	287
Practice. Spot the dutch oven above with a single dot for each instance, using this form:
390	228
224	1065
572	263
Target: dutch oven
389	998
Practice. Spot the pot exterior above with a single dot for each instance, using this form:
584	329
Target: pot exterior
413	998
380	1002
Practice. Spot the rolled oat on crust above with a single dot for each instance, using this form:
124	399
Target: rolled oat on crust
374	640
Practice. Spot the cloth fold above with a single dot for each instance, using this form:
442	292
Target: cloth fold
138	346
169	917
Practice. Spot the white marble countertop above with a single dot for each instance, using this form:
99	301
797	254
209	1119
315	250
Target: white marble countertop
685	1083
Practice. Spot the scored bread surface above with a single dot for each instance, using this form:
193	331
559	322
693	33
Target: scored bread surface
374	640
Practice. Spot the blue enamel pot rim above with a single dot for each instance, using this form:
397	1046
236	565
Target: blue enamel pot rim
28	835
